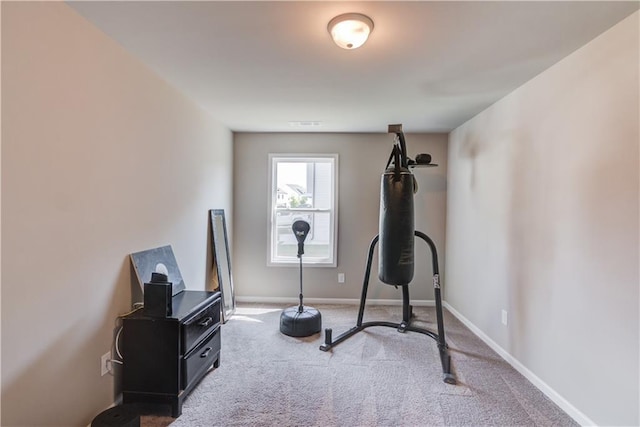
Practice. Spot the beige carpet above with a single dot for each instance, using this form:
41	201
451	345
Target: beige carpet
378	377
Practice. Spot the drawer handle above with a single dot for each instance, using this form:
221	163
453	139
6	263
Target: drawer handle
206	352
206	322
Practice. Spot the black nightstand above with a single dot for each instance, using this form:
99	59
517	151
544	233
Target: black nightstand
165	357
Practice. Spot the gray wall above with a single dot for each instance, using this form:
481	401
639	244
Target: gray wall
100	158
361	162
543	222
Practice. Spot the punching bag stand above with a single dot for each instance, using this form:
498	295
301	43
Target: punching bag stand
300	321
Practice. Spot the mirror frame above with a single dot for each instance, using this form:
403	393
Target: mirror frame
221	267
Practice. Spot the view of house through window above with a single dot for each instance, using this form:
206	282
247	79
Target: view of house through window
303	188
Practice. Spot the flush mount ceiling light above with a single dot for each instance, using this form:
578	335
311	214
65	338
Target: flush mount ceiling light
350	30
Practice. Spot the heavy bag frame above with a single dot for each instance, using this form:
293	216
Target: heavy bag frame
407	313
399	155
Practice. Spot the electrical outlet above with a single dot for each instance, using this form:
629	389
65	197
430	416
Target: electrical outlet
504	317
105	360
340	277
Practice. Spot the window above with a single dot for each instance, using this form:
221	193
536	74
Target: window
303	187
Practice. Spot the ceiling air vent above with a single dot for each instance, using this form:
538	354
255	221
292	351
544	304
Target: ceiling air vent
305	124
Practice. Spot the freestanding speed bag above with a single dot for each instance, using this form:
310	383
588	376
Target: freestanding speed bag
395	253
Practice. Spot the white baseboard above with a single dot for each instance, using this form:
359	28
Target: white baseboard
335	301
571	410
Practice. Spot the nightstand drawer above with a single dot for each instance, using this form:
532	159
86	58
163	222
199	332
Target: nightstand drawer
201	358
200	325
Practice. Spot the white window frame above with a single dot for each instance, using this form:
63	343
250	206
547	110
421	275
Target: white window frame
272	191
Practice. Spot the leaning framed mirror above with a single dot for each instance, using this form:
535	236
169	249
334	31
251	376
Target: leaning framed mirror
221	267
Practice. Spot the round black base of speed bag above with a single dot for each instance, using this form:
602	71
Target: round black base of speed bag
303	324
118	416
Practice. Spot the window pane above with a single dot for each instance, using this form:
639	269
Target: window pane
305	184
318	242
293	191
323	185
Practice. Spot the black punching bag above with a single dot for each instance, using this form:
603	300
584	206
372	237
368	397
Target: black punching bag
395	254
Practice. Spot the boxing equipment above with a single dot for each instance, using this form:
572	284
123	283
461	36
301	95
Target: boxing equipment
395	256
300	230
300	321
396	239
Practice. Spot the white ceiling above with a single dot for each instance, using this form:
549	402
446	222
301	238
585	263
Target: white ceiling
257	66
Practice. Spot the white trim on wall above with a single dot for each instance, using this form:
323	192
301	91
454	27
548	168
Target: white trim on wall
335	301
567	407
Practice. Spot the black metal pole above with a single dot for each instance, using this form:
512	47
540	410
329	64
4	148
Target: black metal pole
300	307
445	358
365	284
436	286
406	306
